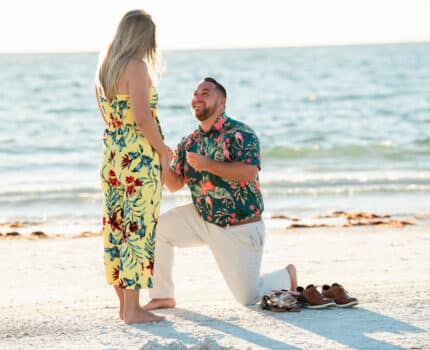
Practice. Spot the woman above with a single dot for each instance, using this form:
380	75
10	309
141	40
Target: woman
134	157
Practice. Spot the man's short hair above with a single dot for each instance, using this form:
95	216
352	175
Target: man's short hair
218	86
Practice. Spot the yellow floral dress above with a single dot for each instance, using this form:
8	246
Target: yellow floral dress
131	183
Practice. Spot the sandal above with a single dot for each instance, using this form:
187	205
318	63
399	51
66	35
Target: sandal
280	301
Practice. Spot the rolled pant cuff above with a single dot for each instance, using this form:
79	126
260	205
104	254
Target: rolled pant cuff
160	295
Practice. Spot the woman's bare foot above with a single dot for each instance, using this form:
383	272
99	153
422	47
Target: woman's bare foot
120	293
141	316
167	303
293	277
133	312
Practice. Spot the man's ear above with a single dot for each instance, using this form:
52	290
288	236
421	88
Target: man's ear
221	106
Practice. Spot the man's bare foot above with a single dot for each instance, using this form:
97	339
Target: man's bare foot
167	303
293	277
141	316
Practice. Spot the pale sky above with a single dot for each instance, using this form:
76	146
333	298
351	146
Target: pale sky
87	25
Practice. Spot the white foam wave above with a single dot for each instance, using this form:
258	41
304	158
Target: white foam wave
277	177
344	190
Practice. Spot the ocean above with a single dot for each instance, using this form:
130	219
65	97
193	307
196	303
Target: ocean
341	128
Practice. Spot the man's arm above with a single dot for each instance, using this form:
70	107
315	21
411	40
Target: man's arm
233	171
173	181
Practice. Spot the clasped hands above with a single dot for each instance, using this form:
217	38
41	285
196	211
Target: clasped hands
197	161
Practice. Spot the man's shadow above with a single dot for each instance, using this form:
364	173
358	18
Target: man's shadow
217	324
349	327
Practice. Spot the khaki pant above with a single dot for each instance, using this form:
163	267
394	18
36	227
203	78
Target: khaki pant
237	251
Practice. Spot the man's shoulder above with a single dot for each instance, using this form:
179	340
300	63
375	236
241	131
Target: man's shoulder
234	125
188	137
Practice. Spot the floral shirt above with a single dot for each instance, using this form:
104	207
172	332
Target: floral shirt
220	201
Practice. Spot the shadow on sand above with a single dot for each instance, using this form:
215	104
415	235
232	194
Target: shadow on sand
224	327
349	327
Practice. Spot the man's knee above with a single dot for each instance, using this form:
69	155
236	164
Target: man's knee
246	297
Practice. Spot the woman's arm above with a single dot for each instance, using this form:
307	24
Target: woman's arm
138	87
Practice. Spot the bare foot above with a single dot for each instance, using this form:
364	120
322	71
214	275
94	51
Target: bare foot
141	316
121	309
167	303
121	312
120	293
293	277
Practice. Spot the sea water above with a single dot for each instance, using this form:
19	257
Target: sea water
341	128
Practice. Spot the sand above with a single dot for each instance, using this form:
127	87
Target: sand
53	295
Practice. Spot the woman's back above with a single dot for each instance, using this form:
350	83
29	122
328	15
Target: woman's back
118	112
120	118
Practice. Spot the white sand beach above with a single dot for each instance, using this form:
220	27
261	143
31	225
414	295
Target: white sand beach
53	295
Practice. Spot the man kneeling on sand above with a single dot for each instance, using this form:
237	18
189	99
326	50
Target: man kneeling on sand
219	162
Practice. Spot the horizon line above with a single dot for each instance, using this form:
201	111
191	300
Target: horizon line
95	51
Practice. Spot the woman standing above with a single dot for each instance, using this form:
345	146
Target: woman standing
134	157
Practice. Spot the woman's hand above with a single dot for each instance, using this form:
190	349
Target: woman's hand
170	154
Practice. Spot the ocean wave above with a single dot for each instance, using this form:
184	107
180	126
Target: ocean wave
69	110
89	195
423	141
174	107
383	149
345	190
49	194
320	177
47	189
321	98
71	185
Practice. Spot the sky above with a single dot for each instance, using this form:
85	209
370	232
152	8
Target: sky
88	25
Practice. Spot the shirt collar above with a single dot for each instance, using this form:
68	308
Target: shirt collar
216	126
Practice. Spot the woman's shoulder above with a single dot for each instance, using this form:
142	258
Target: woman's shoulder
136	67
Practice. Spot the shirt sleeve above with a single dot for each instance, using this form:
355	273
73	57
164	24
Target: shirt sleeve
245	147
177	164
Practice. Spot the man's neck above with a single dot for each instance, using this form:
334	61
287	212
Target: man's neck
206	125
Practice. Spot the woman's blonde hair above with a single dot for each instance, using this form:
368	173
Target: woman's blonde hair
136	33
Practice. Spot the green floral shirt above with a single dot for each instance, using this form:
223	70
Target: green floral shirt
220	201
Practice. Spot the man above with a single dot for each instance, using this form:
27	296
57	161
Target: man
219	162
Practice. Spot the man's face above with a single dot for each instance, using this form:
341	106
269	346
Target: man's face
205	101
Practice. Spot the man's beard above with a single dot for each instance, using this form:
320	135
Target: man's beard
205	113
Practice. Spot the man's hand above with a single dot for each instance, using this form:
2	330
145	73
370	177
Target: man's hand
197	161
233	171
